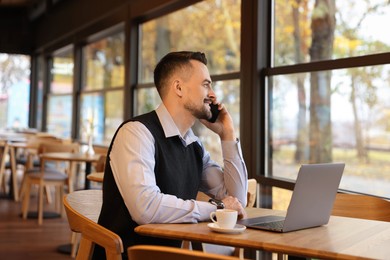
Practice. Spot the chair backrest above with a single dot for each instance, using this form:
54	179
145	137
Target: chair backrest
83	209
252	193
100	149
34	148
58	146
361	206
101	163
147	252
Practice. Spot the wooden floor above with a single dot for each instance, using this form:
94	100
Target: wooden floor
25	239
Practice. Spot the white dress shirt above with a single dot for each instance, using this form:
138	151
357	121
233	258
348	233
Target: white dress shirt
132	162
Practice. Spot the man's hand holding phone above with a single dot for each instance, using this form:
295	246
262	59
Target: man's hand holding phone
221	122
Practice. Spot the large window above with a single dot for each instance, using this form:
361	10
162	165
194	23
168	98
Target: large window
336	114
59	107
14	90
212	27
102	89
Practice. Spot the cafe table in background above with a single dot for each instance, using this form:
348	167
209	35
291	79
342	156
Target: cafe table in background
74	157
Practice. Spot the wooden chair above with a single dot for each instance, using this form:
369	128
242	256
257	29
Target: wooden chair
361	206
31	159
147	252
83	209
48	176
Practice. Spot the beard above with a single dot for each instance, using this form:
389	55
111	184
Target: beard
199	112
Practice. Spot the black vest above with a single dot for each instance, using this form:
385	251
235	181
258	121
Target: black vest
178	171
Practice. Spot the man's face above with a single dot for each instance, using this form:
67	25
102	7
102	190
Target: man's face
198	91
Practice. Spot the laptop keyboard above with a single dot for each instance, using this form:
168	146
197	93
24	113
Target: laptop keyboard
273	225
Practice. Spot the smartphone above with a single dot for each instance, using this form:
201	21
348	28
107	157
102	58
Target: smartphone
214	112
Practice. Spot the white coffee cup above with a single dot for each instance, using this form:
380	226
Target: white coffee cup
226	218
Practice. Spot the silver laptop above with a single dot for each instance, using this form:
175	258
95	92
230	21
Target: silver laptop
311	202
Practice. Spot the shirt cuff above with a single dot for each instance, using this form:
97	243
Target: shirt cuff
205	208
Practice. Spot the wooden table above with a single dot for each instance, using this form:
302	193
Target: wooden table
74	157
341	238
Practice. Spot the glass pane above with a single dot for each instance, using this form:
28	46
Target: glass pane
147	100
14	90
186	30
62	72
104	63
114	114
101	114
334	116
92	117
59	117
228	93
309	30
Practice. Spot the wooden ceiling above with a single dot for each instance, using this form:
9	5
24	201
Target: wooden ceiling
17	3
31	9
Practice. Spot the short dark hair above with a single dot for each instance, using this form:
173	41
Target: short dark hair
171	62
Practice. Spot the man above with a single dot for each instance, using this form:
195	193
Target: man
156	165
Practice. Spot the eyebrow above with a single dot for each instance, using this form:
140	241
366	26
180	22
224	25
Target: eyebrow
207	81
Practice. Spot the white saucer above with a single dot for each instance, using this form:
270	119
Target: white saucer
237	229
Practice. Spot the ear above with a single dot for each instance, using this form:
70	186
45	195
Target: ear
177	88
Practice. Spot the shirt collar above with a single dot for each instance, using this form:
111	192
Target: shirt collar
170	128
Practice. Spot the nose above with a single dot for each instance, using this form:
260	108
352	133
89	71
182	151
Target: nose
211	94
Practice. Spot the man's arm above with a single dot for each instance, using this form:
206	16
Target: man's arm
232	181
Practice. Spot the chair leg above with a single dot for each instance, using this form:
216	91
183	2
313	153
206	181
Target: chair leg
14	174
48	194
40	204
85	249
75	241
239	252
186	244
57	195
26	199
22	187
2	182
71	173
2	187
60	196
